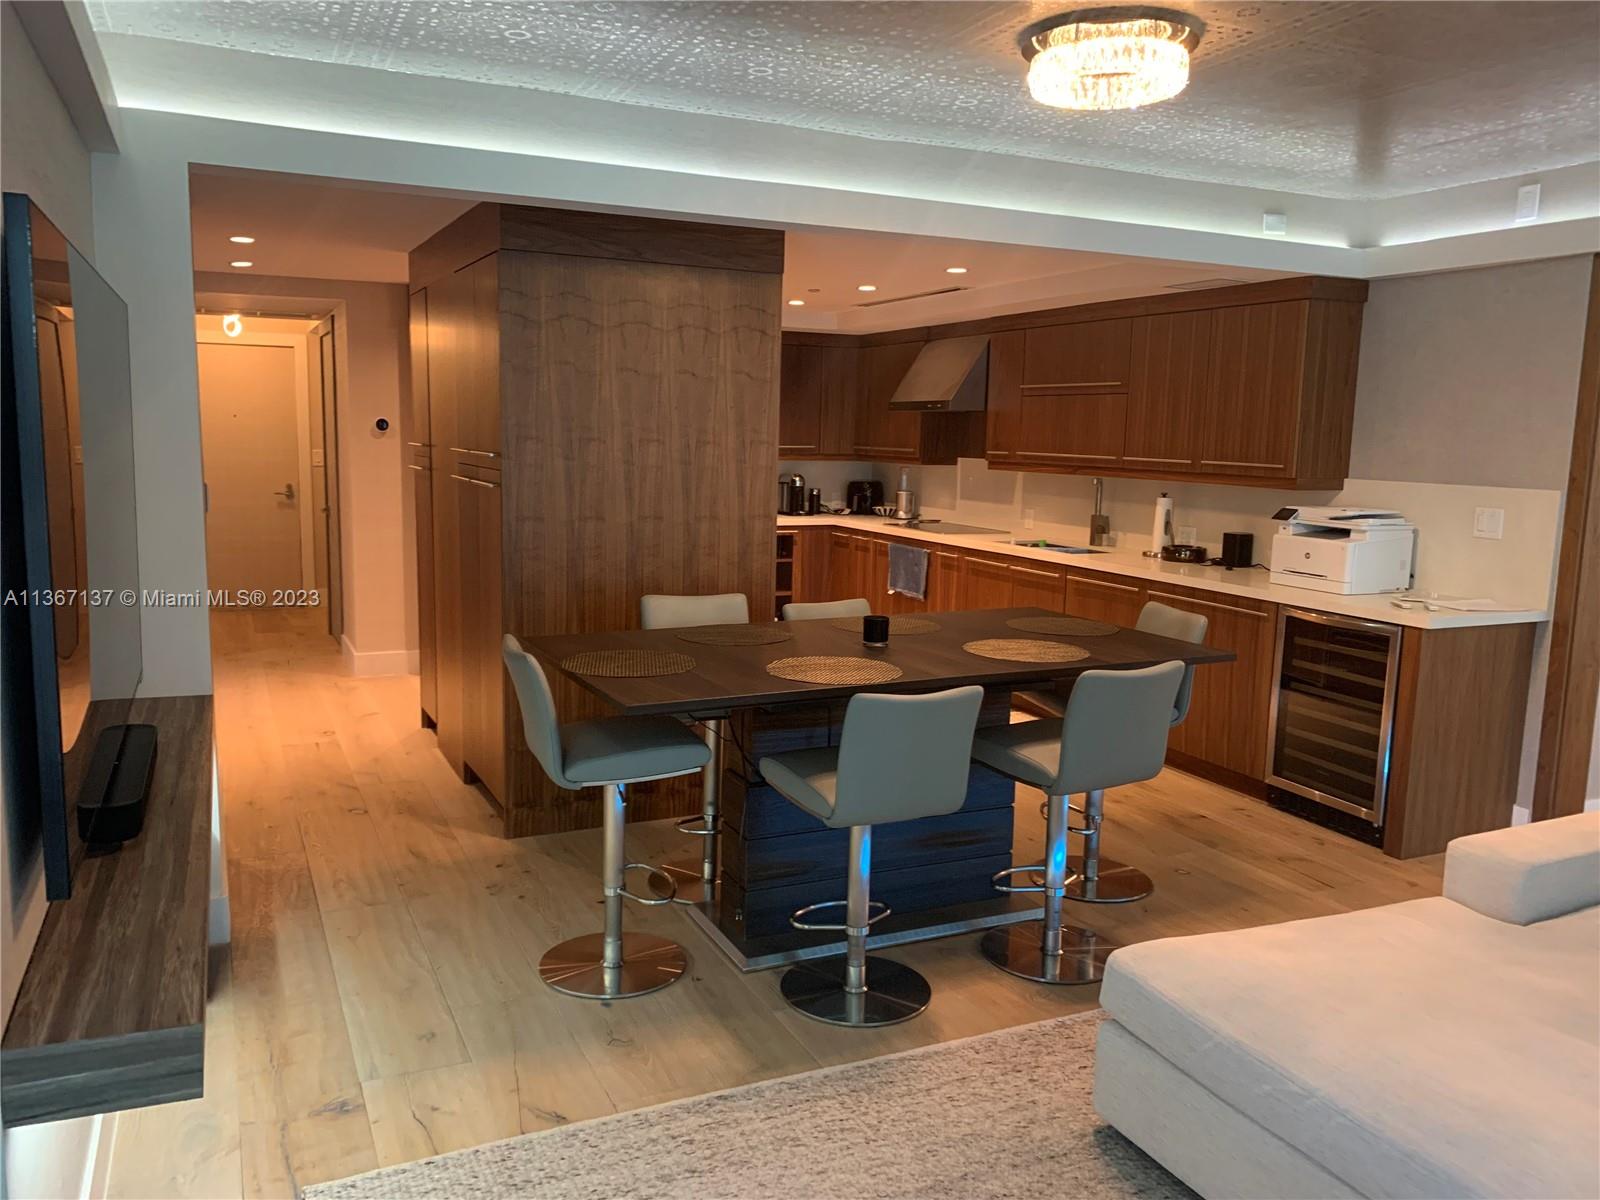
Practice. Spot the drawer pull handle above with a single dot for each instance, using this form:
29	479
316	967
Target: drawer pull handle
1148	458
1099	385
1037	571
479	482
1209	604
1121	587
415	467
1222	462
890	449
484	453
1062	454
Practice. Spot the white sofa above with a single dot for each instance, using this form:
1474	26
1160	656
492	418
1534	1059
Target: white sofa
1447	1047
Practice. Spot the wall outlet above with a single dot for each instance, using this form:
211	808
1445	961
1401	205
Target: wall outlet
1527	204
1187	535
1027	518
1489	523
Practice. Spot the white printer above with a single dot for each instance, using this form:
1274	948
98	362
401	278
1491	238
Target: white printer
1352	551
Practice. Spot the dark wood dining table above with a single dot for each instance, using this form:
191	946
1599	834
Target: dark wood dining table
734	677
935	873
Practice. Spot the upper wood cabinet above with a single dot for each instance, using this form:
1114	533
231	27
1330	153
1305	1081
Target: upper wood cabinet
1253	391
1260	393
1167	386
817	401
882	433
1088	356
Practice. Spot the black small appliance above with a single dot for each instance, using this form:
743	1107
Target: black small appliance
1183	554
1238	550
861	496
813	501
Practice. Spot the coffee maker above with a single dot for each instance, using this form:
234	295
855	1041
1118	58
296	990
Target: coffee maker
791	495
861	496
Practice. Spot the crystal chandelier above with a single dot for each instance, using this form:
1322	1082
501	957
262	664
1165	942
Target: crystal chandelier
1106	58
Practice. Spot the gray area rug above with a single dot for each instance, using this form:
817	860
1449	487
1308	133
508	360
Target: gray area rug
1003	1114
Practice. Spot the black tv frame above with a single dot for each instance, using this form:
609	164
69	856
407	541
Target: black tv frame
32	724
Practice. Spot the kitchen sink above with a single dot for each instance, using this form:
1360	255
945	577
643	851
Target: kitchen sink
1043	544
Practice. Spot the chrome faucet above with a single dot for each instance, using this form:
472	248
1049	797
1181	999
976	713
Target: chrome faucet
1099	523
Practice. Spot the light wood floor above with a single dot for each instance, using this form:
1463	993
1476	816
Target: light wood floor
380	1002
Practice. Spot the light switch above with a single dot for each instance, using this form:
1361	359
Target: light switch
316	458
1489	523
1027	518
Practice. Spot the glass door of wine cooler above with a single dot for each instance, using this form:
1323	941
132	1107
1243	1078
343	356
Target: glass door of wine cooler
1333	710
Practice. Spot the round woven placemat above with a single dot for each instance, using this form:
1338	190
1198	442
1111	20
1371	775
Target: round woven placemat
1026	650
896	624
735	635
627	664
828	668
1070	626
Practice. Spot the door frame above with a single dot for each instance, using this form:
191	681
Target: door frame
299	344
1572	687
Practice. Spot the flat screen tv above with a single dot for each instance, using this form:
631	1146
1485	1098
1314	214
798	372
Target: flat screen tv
71	627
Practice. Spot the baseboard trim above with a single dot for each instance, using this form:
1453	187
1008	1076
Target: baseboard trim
377	662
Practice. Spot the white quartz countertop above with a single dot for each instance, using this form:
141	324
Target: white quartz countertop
1252	582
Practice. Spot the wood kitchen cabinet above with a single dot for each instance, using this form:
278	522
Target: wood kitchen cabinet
944	580
1280	393
882	433
1227	723
1251	388
1038	585
849	566
985	582
541	396
817	401
1103	597
1167	388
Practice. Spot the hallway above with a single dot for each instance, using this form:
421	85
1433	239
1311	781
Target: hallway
380	1001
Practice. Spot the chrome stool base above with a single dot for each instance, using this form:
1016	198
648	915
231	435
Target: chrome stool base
1019	950
894	992
577	967
688	874
1116	883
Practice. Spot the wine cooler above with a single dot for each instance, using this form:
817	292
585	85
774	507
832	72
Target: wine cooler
1332	715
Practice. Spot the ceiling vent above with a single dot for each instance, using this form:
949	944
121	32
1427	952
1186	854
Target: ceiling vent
945	291
1198	284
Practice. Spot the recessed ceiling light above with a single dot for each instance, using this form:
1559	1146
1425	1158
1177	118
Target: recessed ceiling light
797	304
955	270
866	287
242	240
241	262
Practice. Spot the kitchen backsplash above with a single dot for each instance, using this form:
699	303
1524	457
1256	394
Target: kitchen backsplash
1519	568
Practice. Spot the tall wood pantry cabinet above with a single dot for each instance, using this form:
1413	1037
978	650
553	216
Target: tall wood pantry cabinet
555	355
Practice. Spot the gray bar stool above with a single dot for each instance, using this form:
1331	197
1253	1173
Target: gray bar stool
826	608
1101	880
898	758
609	754
696	879
1115	732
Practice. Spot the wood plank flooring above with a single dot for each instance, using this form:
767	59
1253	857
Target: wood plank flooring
380	1001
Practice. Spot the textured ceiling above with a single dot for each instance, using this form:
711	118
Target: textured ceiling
1350	100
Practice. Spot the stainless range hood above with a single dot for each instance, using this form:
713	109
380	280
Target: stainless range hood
949	375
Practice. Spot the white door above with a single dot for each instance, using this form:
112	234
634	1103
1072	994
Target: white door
252	467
